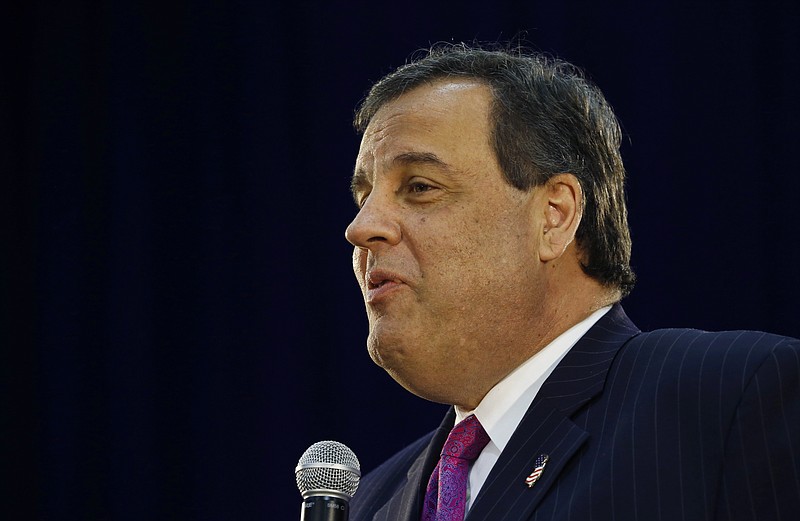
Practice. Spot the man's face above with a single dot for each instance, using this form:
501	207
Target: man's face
446	251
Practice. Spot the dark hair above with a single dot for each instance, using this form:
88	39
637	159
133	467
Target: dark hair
547	119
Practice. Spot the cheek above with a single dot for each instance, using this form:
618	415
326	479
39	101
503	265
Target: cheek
491	253
359	264
474	248
457	262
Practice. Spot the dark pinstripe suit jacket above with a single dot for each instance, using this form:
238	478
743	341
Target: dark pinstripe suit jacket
671	424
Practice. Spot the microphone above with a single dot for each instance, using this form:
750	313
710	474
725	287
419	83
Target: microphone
327	475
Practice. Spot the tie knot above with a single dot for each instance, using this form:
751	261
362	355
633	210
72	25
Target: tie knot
466	440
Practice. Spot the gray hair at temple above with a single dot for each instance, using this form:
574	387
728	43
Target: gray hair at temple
547	119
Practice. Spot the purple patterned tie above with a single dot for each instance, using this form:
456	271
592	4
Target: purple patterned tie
446	497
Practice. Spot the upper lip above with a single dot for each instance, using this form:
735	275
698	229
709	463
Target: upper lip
377	277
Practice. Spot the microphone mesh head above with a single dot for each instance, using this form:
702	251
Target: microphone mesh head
328	467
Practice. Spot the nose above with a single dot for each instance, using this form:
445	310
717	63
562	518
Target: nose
375	224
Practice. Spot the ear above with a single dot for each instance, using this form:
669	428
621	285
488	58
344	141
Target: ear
563	207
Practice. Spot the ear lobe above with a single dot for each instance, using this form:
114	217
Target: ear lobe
563	210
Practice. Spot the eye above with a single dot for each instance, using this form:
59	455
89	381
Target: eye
360	198
419	187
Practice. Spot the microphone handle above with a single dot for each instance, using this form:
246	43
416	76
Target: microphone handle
324	508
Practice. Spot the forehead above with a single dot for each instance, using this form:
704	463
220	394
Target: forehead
447	118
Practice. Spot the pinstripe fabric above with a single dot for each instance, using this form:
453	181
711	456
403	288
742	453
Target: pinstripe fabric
671	424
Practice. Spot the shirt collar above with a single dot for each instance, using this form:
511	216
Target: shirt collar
503	407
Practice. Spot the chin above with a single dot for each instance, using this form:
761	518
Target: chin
387	346
424	390
420	380
386	354
379	351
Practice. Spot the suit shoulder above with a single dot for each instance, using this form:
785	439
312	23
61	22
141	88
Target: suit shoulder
694	355
742	341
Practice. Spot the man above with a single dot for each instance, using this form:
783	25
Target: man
492	249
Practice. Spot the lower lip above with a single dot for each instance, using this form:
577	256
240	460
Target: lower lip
382	292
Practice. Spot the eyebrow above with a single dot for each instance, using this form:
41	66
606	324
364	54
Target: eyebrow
358	182
423	158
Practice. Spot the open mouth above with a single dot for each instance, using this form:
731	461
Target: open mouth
374	285
377	280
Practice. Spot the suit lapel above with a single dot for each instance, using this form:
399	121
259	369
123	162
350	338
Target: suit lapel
547	428
406	504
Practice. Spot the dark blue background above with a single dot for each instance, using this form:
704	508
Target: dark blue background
179	316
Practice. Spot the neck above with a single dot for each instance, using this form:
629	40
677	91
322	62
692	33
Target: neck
560	312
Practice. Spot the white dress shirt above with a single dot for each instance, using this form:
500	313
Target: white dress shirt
505	404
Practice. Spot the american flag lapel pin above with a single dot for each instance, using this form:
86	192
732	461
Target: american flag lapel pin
538	464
